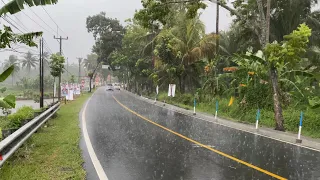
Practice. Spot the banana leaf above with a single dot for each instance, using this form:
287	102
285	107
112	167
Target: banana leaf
15	6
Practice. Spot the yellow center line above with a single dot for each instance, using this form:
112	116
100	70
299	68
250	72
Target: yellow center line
202	145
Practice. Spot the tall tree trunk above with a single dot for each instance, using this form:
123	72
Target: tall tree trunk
59	88
90	84
268	21
180	85
265	24
217	31
276	99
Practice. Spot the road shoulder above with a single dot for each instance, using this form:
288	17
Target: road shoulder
53	152
287	137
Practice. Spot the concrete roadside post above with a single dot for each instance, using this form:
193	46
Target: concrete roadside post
299	140
194	106
217	106
257	119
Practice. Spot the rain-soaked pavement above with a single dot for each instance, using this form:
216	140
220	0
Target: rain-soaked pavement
131	148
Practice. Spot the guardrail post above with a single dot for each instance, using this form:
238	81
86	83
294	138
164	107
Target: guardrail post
299	140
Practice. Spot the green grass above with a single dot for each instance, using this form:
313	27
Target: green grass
311	123
53	152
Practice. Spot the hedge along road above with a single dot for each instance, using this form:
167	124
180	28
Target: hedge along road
133	139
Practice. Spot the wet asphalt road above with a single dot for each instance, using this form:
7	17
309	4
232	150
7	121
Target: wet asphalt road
130	148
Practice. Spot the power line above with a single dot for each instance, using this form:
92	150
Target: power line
24	28
36	22
42	20
12	24
53	20
47	46
14	50
68	71
15	22
47	49
26	48
22	24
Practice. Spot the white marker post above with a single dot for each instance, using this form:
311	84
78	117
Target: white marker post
299	140
217	106
257	121
194	106
157	92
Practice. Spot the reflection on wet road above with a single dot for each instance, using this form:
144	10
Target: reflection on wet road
129	147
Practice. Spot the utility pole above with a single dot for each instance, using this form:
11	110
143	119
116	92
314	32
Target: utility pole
59	84
41	72
79	60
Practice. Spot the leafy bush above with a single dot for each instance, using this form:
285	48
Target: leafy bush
36	98
28	93
258	96
48	95
186	99
16	119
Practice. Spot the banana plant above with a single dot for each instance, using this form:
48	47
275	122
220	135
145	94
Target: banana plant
16	6
10	100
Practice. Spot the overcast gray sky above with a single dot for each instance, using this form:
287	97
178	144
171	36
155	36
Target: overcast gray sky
71	16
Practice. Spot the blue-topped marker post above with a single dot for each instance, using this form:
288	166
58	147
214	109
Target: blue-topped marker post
257	118
217	107
299	140
194	106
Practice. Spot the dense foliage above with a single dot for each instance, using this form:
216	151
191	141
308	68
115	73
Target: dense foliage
263	61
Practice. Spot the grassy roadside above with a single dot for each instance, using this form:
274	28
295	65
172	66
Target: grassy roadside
311	123
53	152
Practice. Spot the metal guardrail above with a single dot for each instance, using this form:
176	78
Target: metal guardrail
10	144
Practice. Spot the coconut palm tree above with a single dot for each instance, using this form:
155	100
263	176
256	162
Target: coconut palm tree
29	61
13	60
46	58
188	44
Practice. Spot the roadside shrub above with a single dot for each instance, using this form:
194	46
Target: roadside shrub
15	120
257	96
28	93
186	99
36	98
27	112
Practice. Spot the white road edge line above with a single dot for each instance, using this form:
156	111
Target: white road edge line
96	163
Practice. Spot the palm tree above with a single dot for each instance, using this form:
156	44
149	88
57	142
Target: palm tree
29	61
46	57
13	60
189	44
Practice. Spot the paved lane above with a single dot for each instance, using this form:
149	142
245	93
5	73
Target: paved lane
129	147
